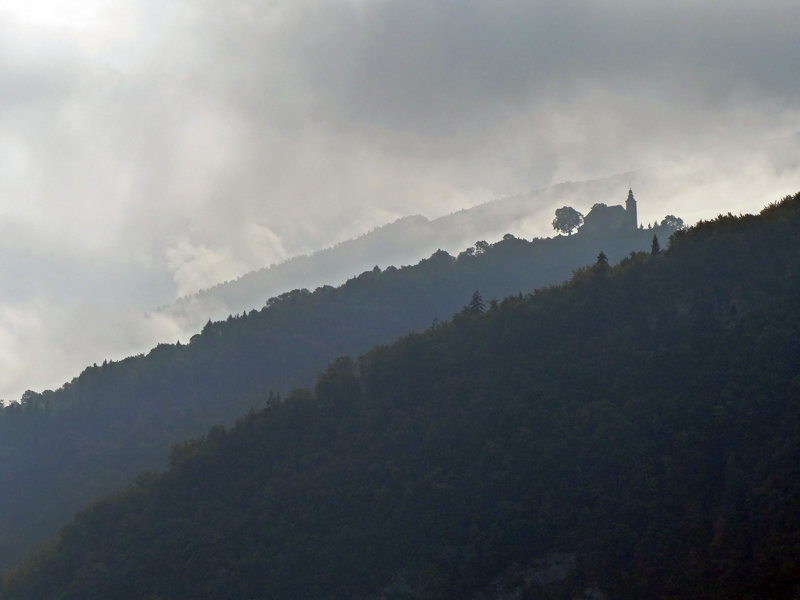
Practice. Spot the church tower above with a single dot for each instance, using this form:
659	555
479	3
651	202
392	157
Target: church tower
630	211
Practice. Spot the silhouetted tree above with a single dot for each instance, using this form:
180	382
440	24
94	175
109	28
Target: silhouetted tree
481	246
672	222
602	259
476	304
656	247
567	219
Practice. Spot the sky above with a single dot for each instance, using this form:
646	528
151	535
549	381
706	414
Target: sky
149	149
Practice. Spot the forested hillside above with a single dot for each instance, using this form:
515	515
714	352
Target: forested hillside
402	242
634	433
60	450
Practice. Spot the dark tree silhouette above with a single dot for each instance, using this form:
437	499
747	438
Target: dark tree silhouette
481	246
476	303
656	247
672	222
567	219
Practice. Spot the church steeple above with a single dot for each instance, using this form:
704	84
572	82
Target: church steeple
630	210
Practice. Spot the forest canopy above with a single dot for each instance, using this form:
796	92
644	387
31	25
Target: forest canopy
637	425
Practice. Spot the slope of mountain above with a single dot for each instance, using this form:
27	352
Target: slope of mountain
62	449
403	242
634	433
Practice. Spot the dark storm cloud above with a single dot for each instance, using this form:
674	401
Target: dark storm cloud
444	66
502	95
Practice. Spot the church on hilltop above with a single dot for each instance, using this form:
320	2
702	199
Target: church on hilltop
603	218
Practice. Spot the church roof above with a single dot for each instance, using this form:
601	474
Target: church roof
603	217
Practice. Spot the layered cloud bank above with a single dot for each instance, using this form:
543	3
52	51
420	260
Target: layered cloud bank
150	150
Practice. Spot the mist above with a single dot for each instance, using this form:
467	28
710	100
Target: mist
148	151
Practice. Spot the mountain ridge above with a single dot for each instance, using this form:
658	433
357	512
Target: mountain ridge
403	241
63	448
636	427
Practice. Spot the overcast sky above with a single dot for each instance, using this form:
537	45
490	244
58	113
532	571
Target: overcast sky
150	148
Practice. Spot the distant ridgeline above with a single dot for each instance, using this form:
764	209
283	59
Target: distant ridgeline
407	240
62	449
633	433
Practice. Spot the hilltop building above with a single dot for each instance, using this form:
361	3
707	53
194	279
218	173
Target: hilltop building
603	218
630	210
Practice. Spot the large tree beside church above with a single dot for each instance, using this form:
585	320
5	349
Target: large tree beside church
567	219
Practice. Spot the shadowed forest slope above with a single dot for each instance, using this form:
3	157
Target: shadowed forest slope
642	420
60	450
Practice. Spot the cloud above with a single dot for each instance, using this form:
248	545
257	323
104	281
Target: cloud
50	342
162	147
